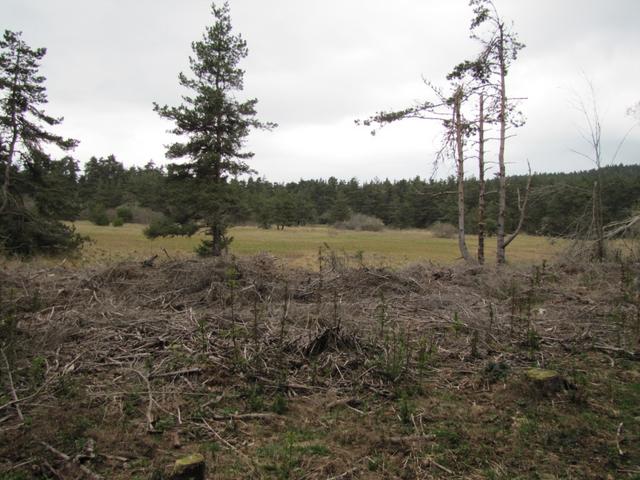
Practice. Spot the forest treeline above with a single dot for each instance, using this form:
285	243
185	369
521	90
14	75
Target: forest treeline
560	203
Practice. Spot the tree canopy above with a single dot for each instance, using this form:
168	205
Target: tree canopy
33	195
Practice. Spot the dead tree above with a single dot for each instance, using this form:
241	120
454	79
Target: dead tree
481	181
500	48
448	109
458	128
592	136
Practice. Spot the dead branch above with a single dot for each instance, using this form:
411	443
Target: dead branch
247	416
618	437
14	395
176	373
68	459
621	227
351	402
149	413
522	207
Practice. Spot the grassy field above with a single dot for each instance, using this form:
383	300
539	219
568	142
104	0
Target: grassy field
299	246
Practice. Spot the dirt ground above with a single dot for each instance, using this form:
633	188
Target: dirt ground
350	372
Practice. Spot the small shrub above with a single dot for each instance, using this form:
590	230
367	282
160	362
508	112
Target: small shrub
443	230
117	222
359	221
280	404
406	409
98	215
255	398
166	228
125	214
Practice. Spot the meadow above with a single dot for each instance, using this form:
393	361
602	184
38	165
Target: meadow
299	246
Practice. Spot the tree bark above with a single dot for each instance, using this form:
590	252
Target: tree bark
458	127
481	183
597	218
502	179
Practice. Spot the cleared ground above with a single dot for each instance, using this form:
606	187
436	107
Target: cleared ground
348	373
300	245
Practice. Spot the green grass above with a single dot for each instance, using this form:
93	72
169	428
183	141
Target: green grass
299	245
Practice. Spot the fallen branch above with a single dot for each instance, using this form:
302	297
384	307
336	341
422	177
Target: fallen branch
403	440
618	436
175	373
441	467
350	402
14	395
619	351
247	416
68	459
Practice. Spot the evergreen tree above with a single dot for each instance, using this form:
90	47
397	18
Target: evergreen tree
103	182
340	211
28	218
216	125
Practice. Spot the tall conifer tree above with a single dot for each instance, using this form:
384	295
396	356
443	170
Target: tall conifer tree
214	124
26	170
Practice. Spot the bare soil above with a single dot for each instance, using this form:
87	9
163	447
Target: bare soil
273	372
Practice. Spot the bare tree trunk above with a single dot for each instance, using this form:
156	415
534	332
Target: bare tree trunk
481	181
597	218
502	179
457	123
522	207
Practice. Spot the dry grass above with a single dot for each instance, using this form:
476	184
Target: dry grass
299	246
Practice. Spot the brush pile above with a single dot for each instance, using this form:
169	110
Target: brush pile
115	372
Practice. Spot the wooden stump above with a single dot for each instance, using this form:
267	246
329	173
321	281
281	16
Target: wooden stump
546	382
191	467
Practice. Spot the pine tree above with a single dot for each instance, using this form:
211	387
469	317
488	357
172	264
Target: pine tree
26	170
216	125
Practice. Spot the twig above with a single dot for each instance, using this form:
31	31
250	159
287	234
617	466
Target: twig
16	400
441	467
618	435
345	474
248	416
408	439
185	371
18	465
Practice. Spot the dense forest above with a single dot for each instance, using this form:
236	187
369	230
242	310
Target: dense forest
560	203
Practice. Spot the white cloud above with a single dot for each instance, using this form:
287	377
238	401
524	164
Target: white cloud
315	66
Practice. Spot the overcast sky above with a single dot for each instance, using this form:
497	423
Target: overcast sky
315	66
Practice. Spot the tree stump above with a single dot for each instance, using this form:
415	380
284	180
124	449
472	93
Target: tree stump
546	382
191	467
